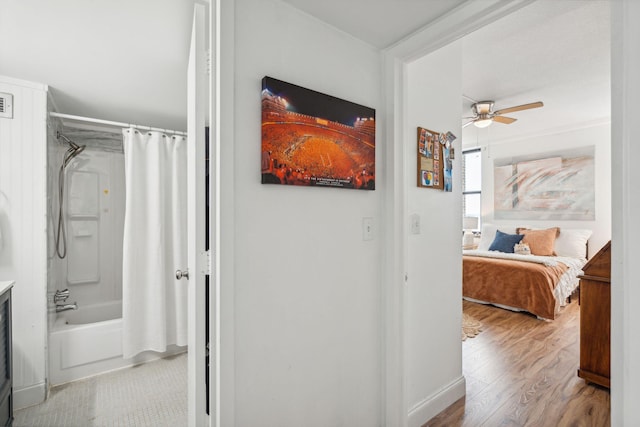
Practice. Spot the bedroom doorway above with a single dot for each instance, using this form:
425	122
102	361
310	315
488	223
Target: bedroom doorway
553	344
399	61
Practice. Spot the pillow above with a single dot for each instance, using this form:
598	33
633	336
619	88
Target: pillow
488	235
572	243
541	242
521	249
505	242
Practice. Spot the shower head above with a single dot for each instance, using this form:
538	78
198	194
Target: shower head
73	150
71	153
78	149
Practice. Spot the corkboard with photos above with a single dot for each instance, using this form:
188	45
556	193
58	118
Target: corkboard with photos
430	160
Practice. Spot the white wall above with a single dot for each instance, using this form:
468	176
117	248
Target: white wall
23	223
625	251
434	292
307	287
598	136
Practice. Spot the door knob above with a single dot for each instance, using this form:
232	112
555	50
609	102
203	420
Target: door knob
180	274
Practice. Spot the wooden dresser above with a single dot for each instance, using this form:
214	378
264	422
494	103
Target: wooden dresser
595	318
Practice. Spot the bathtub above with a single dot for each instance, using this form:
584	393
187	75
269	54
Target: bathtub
88	341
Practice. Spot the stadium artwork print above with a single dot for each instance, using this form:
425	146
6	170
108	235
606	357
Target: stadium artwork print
313	139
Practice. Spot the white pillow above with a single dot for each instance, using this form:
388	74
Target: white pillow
572	242
489	234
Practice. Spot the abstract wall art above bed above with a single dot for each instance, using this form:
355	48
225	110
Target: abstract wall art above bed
559	185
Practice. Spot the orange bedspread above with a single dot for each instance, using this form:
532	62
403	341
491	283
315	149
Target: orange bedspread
519	284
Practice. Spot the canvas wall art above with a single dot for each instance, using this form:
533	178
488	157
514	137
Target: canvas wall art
553	186
313	139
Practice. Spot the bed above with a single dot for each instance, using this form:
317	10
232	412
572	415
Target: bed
539	283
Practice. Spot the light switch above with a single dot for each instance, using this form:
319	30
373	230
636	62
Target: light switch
367	228
415	223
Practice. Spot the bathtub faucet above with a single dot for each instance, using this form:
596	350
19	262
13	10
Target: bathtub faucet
65	307
61	296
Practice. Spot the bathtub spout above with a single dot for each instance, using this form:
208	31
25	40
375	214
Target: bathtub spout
65	307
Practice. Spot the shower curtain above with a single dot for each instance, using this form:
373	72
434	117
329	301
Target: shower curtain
154	303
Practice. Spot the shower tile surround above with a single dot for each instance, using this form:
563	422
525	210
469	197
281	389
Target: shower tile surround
94	208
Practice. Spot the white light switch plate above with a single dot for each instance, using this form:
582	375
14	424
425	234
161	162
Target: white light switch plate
415	223
367	229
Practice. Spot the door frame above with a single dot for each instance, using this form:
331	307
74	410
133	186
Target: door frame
463	20
196	112
220	66
625	203
222	187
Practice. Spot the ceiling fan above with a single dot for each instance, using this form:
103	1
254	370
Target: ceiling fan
483	114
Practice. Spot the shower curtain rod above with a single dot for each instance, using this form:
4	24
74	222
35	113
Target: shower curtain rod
110	123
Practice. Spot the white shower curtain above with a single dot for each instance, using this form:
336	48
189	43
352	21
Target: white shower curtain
154	303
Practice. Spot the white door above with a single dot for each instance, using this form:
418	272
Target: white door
198	96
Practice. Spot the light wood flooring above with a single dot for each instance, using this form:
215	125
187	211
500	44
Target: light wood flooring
521	371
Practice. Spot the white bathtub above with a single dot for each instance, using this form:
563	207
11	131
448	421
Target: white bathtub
88	341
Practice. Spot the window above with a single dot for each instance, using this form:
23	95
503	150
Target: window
472	184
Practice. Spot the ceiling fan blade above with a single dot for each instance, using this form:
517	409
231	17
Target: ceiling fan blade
519	108
503	119
468	123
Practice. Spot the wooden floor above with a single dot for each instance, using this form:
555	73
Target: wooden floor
521	371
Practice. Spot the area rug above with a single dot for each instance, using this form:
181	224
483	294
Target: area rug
470	327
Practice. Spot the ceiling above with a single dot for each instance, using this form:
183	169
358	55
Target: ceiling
126	60
115	60
380	23
557	52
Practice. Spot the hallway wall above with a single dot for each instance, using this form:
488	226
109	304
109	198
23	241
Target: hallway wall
307	287
434	289
625	252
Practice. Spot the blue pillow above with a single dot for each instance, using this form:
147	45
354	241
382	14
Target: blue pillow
505	242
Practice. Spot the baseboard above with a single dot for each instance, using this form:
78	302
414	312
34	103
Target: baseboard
432	405
29	396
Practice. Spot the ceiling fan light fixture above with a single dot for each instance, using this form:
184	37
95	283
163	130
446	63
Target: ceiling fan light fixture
482	123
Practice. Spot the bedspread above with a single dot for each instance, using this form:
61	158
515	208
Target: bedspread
526	285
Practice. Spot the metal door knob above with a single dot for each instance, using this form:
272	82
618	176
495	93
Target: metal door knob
180	274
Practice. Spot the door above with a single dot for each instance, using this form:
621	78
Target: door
198	96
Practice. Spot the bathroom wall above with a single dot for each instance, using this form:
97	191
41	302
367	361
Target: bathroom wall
23	225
